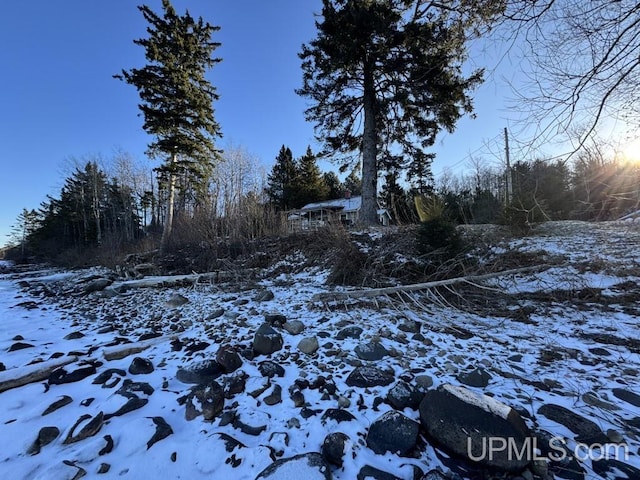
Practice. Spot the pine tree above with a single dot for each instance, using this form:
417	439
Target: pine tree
393	67
310	185
21	231
176	96
335	188
353	184
282	181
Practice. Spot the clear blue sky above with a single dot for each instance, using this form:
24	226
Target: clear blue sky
58	98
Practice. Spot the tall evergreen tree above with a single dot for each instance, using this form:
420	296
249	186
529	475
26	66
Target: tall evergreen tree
353	184
335	188
393	67
310	184
281	182
176	96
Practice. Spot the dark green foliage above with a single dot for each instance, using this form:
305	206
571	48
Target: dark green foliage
176	96
310	185
386	77
438	235
353	184
335	188
397	202
282	188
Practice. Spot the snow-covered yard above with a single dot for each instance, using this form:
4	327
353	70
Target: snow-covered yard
235	380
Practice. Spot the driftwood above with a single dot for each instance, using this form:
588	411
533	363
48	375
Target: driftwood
122	351
177	280
376	292
17	377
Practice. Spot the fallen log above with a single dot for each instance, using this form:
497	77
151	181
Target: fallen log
177	280
376	292
17	377
122	351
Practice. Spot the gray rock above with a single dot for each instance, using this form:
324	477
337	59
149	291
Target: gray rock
275	396
303	466
627	396
586	431
371	351
591	398
89	430
104	377
74	335
140	366
266	340
309	345
371	473
424	382
19	346
264	296
456	418
228	359
131	389
46	435
176	300
393	432
402	395
275	319
131	405
210	400
294	327
200	373
217	313
370	376
478	377
251	423
97	285
349	332
270	369
61	402
409	326
338	415
61	376
334	448
163	430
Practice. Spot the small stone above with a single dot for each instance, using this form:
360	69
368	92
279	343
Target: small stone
140	366
306	465
298	399
131	405
89	430
349	332
46	435
424	382
275	319
200	373
270	369
210	399
293	423
337	415
60	376
372	351
402	395
294	327
334	447
343	402
267	340
309	345
264	296
370	376
627	396
176	300
61	402
478	377
104	468
274	397
74	336
163	430
228	359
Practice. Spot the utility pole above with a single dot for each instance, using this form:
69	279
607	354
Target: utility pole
509	179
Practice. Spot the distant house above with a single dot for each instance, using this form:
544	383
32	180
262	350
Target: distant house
343	210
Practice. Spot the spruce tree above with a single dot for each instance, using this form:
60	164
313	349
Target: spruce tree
310	185
282	181
353	185
335	188
394	68
176	96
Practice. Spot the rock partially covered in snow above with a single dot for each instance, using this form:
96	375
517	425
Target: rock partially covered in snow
307	466
393	432
267	340
463	423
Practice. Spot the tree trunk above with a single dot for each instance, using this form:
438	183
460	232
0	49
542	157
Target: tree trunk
369	209
168	223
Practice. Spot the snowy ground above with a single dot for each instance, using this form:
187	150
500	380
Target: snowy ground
567	336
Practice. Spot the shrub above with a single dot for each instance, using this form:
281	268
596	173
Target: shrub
438	234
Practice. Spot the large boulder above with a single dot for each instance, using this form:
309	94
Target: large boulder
267	340
466	424
370	376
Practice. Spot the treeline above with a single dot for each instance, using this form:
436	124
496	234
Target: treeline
591	188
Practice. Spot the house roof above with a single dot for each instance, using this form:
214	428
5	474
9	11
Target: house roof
342	204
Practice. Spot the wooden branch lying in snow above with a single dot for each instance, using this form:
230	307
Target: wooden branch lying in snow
173	280
122	351
17	377
376	292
